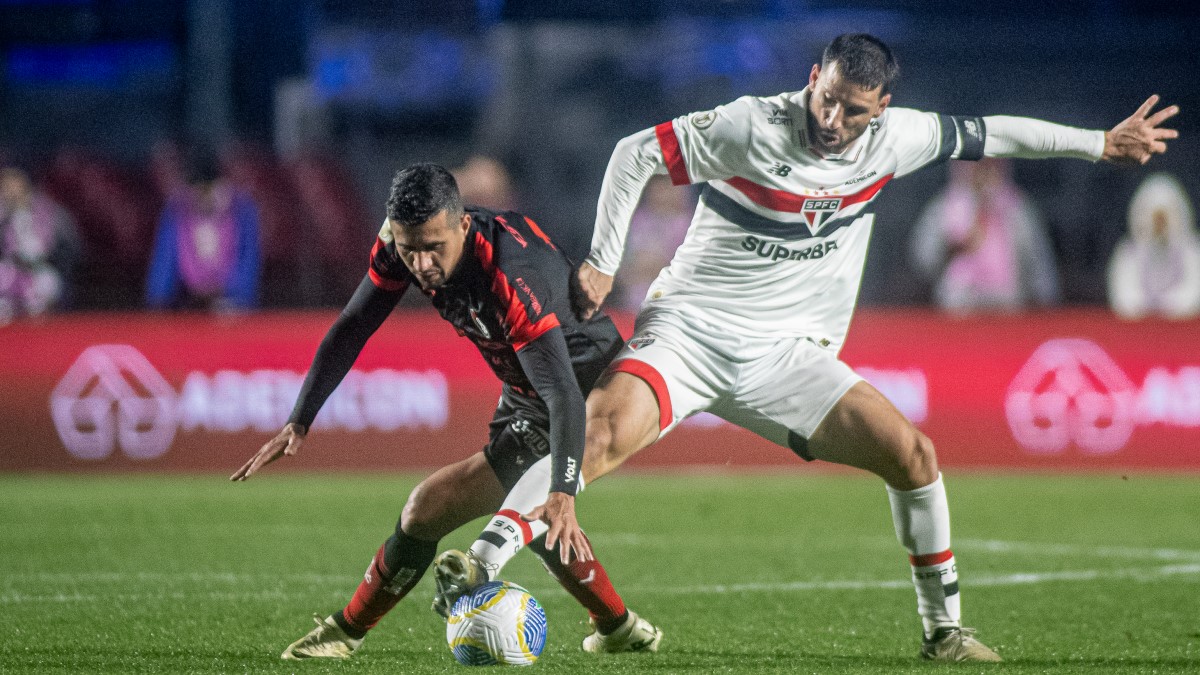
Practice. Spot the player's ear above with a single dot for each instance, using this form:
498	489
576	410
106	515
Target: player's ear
465	223
814	74
883	104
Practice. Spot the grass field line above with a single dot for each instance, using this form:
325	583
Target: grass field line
998	546
1015	579
118	598
233	578
1139	574
988	545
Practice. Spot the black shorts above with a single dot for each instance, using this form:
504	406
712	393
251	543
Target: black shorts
518	436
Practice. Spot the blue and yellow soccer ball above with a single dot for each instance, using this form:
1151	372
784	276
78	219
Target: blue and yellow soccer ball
497	623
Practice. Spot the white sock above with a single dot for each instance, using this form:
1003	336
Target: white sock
922	519
506	533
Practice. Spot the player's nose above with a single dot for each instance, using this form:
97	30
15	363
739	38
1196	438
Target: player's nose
834	118
422	262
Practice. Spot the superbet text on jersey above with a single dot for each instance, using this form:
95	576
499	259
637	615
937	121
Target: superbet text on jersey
778	242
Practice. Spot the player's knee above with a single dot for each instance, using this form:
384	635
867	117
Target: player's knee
598	448
424	513
918	462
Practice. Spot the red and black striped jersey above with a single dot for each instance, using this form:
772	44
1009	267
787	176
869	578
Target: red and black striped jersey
511	286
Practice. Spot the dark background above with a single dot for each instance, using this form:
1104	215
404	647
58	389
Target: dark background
549	87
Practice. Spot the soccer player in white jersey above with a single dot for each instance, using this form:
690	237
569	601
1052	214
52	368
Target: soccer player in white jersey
748	319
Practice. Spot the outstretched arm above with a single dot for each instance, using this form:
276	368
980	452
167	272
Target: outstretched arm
635	159
362	316
694	148
1134	141
547	363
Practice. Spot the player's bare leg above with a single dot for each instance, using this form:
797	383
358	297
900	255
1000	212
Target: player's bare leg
622	418
865	430
453	495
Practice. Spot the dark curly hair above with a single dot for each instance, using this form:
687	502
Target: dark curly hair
420	192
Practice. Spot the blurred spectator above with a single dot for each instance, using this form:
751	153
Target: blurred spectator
1155	270
206	252
983	242
39	248
657	228
483	181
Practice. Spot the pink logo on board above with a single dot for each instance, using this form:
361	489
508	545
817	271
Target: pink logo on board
110	398
1071	392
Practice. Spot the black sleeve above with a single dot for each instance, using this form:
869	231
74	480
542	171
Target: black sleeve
547	364
363	315
962	137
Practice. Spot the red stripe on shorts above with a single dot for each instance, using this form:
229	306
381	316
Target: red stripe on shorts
930	559
650	376
526	533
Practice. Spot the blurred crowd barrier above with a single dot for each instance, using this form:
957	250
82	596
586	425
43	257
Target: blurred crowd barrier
1070	391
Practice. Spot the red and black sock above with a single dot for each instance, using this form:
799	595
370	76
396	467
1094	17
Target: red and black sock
588	583
396	568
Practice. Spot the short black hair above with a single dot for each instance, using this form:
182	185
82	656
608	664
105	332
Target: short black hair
863	60
420	192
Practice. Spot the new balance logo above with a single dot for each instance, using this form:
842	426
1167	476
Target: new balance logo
780	169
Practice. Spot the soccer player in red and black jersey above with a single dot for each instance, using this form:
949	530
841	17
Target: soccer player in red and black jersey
504	285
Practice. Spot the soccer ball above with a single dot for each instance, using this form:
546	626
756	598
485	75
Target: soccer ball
497	623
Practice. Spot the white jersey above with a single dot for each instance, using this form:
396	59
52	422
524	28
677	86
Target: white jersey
779	239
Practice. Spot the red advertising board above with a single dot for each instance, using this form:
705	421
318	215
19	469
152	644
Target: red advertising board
155	392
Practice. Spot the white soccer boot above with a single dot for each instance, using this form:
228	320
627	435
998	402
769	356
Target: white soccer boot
455	573
955	645
635	635
326	641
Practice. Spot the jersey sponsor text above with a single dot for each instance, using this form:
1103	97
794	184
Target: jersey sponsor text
776	252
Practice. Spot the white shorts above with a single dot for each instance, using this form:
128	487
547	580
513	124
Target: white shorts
778	388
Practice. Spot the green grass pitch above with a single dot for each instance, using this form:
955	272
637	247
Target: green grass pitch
787	573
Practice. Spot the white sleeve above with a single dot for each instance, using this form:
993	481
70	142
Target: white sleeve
708	145
635	159
1029	138
918	138
692	148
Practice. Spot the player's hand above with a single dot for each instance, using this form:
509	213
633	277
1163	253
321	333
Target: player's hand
1138	138
287	442
559	513
591	288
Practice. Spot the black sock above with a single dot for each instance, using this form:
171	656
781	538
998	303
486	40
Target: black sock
340	620
397	567
607	627
401	551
